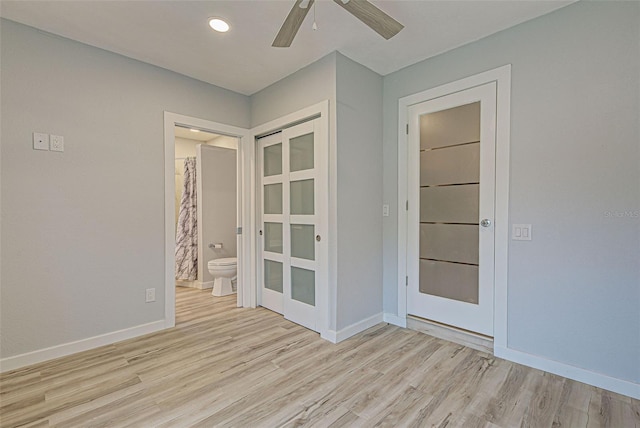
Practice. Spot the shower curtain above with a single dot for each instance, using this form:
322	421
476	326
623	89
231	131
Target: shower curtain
187	228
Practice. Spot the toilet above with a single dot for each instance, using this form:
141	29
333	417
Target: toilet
224	273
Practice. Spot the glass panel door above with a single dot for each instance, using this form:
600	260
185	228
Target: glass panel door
273	219
290	224
452	162
303	169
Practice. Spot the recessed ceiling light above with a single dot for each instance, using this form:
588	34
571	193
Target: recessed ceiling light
218	25
194	130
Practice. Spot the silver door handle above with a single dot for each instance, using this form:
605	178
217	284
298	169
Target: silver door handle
485	222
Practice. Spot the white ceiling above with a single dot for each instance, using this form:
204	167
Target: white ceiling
174	34
199	136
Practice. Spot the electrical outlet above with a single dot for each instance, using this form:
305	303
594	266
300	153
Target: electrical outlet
57	143
40	141
151	295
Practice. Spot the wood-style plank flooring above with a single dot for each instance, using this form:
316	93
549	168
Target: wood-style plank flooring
227	366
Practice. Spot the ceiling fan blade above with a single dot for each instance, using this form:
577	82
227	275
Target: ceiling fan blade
292	24
376	19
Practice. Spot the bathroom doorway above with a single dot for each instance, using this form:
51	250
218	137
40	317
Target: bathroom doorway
205	204
203	211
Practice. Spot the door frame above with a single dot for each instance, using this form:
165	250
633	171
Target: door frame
502	77
321	112
242	134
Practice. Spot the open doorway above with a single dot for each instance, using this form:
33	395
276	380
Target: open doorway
206	214
206	211
203	210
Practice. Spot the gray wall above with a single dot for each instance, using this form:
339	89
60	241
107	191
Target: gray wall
307	86
359	144
83	231
217	205
574	290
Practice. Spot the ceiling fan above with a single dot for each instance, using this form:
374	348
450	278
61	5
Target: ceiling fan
366	12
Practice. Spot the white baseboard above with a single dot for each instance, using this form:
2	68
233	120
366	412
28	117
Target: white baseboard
355	328
620	386
329	335
395	320
204	285
33	357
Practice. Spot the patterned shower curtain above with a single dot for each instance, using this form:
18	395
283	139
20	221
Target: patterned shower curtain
187	229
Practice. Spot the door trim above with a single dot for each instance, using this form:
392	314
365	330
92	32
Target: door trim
170	121
321	112
502	77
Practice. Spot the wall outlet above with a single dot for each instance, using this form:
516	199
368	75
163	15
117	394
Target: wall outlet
385	210
40	141
57	143
150	295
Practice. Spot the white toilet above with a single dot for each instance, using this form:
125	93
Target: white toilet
225	272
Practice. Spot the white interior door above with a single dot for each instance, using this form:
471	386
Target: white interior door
451	152
293	188
272	222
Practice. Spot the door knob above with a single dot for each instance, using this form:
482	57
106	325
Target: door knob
485	222
318	238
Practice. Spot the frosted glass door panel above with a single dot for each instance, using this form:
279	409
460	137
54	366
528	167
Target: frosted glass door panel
302	196
301	153
450	165
303	242
449	242
449	204
303	285
449	280
273	237
273	275
273	160
273	198
456	125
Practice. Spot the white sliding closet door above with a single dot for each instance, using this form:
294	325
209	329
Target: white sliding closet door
293	232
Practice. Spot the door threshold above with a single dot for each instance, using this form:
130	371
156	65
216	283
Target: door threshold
467	338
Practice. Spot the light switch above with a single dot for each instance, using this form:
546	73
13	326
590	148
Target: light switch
521	232
57	143
385	210
40	141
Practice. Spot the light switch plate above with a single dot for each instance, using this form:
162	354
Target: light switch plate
57	143
40	141
521	232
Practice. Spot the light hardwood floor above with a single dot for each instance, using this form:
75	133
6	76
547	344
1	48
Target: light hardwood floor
226	366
